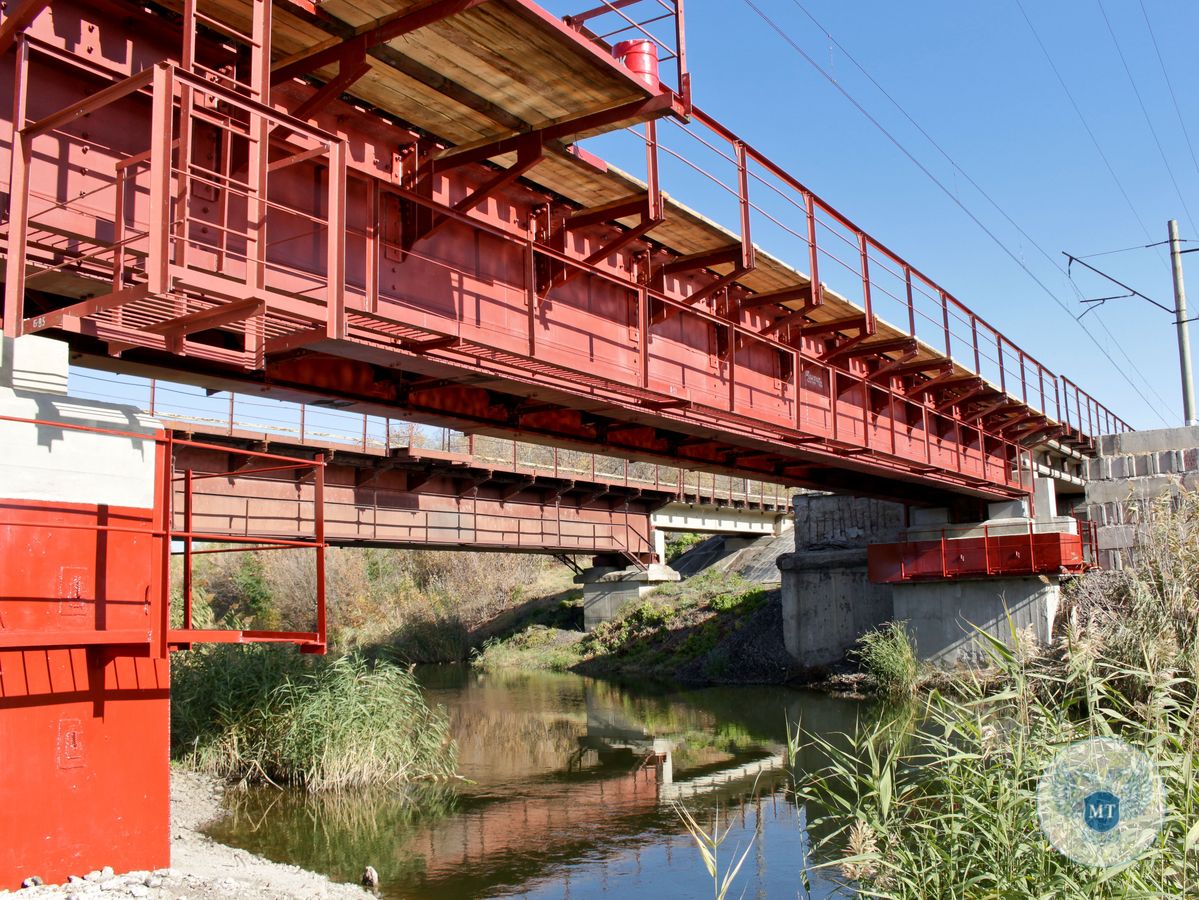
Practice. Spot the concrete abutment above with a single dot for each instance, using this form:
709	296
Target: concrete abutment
829	601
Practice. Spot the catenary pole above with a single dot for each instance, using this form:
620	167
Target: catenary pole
1180	319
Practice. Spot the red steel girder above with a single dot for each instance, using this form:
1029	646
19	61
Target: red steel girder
473	153
615	245
789	318
850	323
785	295
705	259
607	212
380	33
894	345
945	380
350	68
213	317
18	20
903	368
846	347
958	399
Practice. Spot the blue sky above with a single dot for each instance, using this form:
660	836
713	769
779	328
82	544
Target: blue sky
974	78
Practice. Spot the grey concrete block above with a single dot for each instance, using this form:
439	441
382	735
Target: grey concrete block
1007	509
835	520
1116	537
1151	441
936	515
1123	490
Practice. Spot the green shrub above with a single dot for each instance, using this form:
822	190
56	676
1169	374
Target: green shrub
270	714
887	654
679	542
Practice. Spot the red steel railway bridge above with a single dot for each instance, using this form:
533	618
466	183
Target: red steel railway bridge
385	206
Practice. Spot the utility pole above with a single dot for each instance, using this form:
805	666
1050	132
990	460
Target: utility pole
1180	319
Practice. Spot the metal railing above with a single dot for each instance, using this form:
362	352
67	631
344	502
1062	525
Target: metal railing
661	22
230	413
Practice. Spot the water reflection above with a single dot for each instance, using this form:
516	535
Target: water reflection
570	783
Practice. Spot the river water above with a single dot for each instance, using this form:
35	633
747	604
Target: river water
571	793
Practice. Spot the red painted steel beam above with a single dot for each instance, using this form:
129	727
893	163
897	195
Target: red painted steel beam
851	323
474	153
785	295
350	69
957	400
705	259
791	318
18	20
715	287
214	317
857	351
608	212
844	349
380	33
948	379
901	369
1000	406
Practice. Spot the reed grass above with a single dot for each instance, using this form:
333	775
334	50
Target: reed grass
946	807
270	715
886	653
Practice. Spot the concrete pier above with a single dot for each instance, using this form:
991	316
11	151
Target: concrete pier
606	592
944	618
829	601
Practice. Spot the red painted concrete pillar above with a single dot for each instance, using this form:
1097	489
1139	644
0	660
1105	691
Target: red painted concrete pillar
84	680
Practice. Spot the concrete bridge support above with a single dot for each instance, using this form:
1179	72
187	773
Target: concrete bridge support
607	589
1133	470
828	602
944	618
830	599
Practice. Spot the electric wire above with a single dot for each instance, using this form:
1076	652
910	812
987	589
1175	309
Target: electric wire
1145	112
1086	125
786	37
966	175
1170	86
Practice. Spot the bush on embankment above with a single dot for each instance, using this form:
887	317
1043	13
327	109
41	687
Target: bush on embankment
712	628
949	808
269	714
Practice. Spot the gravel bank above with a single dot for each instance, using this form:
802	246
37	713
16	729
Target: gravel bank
201	868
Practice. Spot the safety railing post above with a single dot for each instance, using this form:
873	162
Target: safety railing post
318	519
945	325
187	548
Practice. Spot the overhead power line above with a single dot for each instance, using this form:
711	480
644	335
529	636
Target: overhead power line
1145	112
1086	125
1170	86
786	37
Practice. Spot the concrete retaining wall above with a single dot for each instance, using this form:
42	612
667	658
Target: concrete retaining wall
1133	470
944	617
